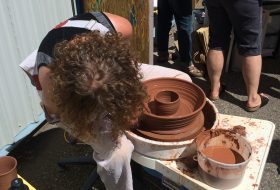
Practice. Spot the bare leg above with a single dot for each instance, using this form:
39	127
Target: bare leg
215	63
251	70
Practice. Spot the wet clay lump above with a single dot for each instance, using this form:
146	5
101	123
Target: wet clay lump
223	154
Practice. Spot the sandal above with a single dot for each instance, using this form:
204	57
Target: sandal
195	72
264	101
221	91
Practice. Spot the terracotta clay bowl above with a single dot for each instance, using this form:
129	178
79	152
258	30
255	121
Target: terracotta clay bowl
8	171
192	100
166	102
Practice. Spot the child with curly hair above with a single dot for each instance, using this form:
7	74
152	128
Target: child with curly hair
90	85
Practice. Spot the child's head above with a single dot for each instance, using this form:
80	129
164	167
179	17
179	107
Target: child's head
93	75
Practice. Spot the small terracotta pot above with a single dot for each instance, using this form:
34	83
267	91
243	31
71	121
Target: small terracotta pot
166	102
8	171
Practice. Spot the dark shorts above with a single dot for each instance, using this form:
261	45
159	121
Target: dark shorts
243	16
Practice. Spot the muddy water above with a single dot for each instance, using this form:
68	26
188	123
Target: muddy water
223	154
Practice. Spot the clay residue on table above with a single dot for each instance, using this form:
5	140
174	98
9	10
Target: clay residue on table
186	168
261	141
241	130
253	124
257	144
251	176
187	172
255	149
189	162
255	185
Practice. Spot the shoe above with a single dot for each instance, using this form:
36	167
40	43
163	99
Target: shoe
195	72
264	101
221	91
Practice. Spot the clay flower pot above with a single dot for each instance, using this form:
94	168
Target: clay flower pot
8	171
166	102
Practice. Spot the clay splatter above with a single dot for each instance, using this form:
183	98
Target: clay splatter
252	124
255	185
241	130
260	140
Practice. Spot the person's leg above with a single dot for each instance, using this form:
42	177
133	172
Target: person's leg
215	63
163	28
251	70
183	16
219	31
184	28
246	20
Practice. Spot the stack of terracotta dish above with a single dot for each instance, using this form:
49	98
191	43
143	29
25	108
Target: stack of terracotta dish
174	110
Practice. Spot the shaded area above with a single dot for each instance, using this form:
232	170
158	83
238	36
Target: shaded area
38	157
37	163
274	153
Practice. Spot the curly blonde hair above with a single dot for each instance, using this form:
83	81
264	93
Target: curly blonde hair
93	75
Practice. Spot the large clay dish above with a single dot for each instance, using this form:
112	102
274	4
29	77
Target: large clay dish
188	129
173	150
185	133
192	100
198	121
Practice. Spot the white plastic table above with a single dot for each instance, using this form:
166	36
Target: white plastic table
258	132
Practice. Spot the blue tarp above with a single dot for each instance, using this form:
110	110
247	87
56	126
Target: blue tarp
23	134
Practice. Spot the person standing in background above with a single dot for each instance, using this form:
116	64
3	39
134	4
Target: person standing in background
244	16
182	12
